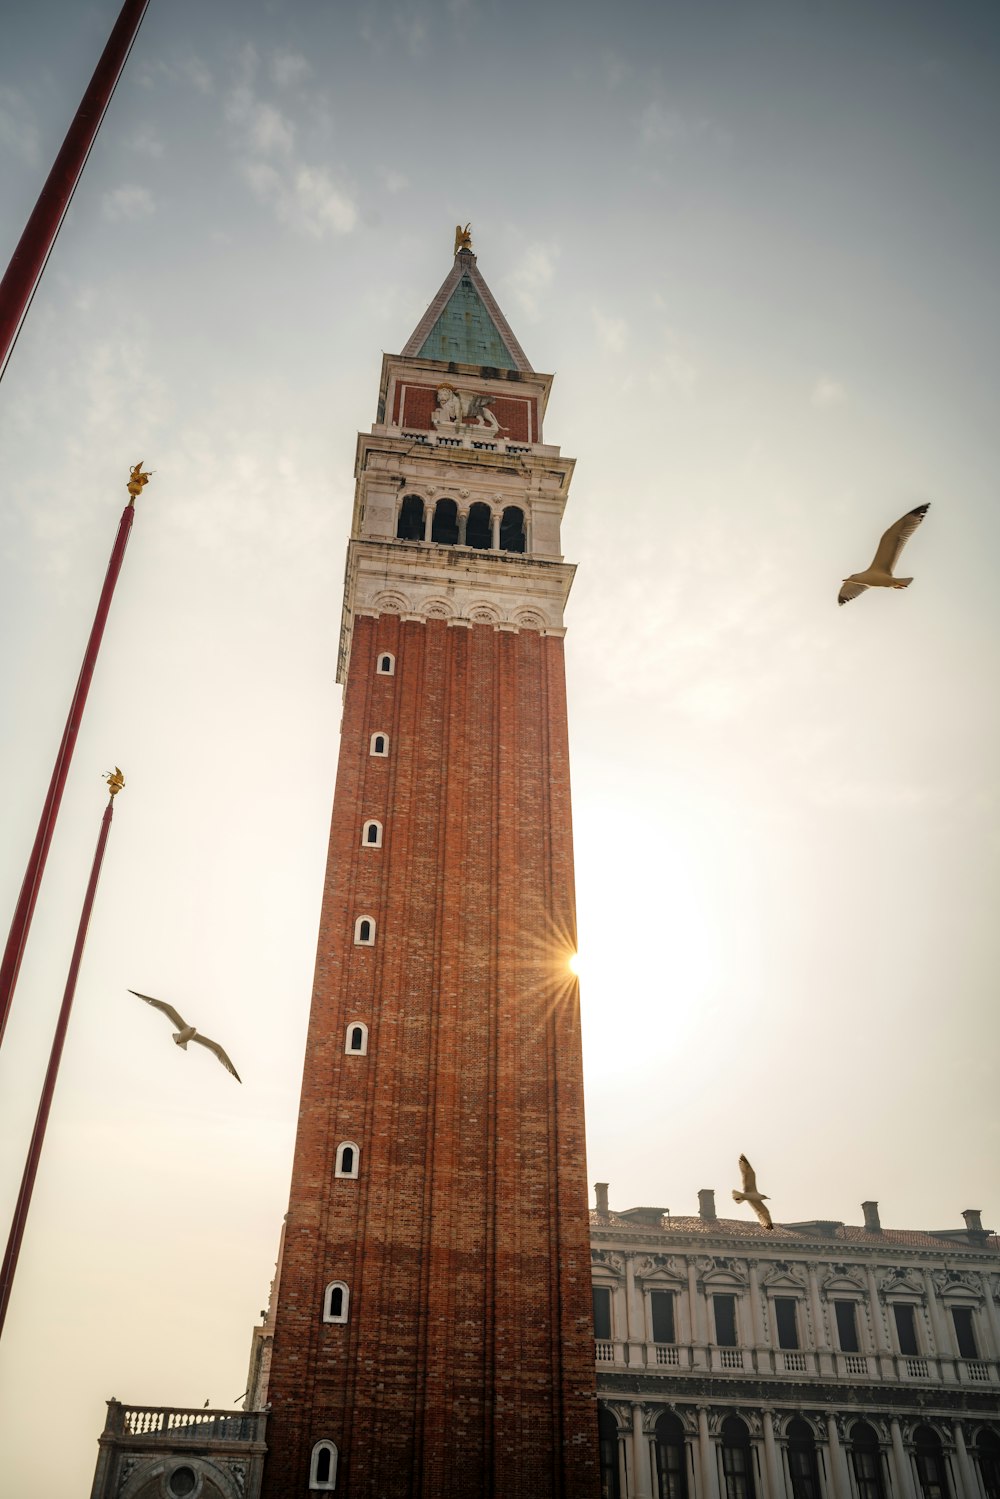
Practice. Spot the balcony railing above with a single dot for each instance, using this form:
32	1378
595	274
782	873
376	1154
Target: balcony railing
173	1424
823	1363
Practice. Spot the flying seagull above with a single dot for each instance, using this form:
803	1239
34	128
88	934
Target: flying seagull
751	1195
879	575
186	1033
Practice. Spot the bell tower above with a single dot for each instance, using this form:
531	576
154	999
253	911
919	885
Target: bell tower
432	1332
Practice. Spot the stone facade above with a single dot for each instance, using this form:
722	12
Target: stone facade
817	1361
148	1452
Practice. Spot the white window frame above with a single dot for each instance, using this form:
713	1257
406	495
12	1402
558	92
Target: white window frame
338	1169
375	842
356	1051
325	1486
383	670
368	941
381	754
336	1285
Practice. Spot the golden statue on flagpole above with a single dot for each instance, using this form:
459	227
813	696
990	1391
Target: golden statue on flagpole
115	779
137	480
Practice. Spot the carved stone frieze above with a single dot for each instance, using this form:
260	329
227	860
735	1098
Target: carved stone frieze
958	1282
782	1273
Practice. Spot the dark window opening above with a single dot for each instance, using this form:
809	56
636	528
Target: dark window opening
410	526
512	537
867	1461
906	1328
336	1307
602	1313
365	932
445	525
930	1463
385	665
671	1462
357	1038
725	1321
847	1326
347	1160
663	1317
988	1453
371	833
607	1435
786	1322
737	1458
479	528
964	1331
324	1460
378	745
802	1464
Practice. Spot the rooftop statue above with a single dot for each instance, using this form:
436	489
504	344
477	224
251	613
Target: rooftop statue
463	237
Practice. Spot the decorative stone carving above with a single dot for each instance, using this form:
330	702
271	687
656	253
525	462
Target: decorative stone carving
965	1283
842	1278
484	614
781	1273
901	1280
530	619
128	1467
239	1473
611	1258
437	609
457	411
647	1266
392	603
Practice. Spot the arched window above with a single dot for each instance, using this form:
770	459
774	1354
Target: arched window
410	526
323	1466
356	1044
867	1461
671	1457
607	1436
379	744
737	1459
347	1159
987	1452
930	1463
479	528
336	1299
512	537
364	932
803	1467
371	836
445	525
386	666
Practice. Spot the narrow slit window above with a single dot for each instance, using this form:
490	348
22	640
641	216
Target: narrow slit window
357	1039
335	1302
364	932
323	1466
347	1159
372	835
386	665
379	745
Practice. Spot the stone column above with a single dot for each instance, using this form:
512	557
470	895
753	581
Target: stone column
947	1349
992	1316
706	1457
428	519
840	1479
756	1312
882	1345
640	1456
495	542
635	1322
463	521
699	1336
966	1472
775	1478
819	1318
903	1479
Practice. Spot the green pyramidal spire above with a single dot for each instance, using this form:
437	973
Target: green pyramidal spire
464	324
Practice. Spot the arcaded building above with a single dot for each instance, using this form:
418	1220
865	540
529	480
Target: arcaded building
817	1361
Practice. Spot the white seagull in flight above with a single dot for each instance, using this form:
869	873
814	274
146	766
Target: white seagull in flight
879	575
186	1033
751	1195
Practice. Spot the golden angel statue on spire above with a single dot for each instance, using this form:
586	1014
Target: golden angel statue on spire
463	237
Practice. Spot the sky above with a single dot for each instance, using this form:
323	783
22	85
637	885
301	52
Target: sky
756	244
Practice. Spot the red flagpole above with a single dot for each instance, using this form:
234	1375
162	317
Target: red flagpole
35	245
19	927
48	1087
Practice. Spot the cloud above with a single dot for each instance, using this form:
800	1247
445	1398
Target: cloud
147	142
827	393
674	367
532	277
662	126
612	332
128	202
289	68
18	133
304	197
394	181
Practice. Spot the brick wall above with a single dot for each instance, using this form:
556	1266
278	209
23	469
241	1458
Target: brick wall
466	1367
